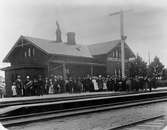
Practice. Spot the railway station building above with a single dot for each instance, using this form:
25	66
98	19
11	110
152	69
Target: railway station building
34	56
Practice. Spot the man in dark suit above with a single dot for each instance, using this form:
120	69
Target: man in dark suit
28	88
19	86
40	85
61	83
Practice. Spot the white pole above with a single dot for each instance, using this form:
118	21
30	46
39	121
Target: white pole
122	45
122	40
148	58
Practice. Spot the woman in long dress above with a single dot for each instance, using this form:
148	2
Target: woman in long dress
14	92
100	83
96	88
51	89
105	83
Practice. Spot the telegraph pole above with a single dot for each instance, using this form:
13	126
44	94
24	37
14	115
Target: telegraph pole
122	44
121	13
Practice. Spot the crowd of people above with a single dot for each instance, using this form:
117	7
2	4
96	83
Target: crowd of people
56	84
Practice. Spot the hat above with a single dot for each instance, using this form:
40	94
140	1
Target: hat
18	76
28	77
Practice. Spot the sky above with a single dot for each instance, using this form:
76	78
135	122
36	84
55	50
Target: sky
145	24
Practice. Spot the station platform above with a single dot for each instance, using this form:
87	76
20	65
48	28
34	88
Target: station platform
14	104
63	95
10	99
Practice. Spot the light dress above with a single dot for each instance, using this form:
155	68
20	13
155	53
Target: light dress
51	90
95	85
14	93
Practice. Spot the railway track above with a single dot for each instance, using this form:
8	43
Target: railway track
151	123
9	121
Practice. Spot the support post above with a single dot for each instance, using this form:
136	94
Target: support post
64	71
91	70
48	70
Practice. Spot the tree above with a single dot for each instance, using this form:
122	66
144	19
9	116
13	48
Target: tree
155	69
137	67
164	74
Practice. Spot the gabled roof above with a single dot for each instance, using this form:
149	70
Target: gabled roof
103	48
62	48
53	47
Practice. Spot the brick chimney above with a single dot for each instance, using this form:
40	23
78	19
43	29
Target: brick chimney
71	38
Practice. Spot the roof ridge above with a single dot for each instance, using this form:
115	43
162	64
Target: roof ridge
36	38
66	49
104	42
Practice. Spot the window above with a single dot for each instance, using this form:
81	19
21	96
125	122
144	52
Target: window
33	51
116	53
115	72
25	54
29	52
113	54
119	72
119	54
